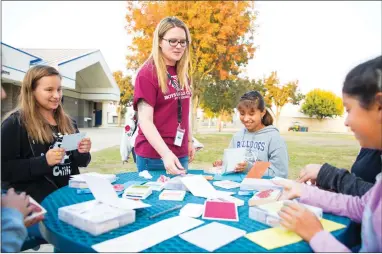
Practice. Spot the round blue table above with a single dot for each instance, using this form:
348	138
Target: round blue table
67	238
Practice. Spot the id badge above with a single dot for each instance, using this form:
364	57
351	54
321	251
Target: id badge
179	136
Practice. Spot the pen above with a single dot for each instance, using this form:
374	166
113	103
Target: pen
166	211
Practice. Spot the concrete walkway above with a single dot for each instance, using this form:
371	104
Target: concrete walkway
103	137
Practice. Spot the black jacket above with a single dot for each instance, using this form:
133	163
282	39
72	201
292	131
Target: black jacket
362	177
24	165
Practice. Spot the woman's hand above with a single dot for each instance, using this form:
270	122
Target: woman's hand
300	220
291	189
217	163
54	156
240	167
191	151
84	146
172	164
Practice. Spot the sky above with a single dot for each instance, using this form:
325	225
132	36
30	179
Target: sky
314	42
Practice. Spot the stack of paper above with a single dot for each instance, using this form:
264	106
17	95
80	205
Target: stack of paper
155	186
254	184
226	184
137	192
95	217
212	236
103	214
174	195
264	197
78	181
175	183
268	213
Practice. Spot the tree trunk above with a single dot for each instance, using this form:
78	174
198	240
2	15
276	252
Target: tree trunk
278	111
209	122
194	122
220	123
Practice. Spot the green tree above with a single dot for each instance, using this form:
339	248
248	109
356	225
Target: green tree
127	93
320	104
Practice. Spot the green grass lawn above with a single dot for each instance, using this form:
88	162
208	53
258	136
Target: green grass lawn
339	150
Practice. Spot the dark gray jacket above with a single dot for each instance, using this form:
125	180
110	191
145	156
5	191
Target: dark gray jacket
367	165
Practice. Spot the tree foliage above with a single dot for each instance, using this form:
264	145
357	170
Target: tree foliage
127	93
279	95
320	104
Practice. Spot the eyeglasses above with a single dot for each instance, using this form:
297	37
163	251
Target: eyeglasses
174	42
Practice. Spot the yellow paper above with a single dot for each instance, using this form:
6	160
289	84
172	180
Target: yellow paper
273	238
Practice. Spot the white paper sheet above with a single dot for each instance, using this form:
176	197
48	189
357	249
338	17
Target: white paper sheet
149	236
232	157
212	236
199	186
101	188
104	192
192	210
70	142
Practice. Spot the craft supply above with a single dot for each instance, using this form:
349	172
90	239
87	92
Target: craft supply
209	178
145	174
226	184
220	210
137	192
165	211
258	169
268	213
281	237
173	195
264	197
155	186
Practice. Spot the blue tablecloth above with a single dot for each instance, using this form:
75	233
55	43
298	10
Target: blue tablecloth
67	238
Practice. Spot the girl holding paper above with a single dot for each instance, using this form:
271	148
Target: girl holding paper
29	161
259	137
162	95
362	97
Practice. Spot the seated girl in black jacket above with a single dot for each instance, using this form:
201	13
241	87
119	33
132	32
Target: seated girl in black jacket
28	160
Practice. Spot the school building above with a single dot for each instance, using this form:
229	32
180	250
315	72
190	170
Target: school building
88	84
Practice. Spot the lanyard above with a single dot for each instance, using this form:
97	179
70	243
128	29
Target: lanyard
177	87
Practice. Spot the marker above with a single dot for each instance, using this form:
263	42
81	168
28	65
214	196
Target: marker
165	211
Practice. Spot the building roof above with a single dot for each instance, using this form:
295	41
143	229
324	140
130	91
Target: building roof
55	57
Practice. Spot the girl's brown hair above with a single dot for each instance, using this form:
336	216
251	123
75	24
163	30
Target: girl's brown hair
37	127
253	100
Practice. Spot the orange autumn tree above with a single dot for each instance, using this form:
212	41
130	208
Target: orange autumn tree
127	92
279	95
222	34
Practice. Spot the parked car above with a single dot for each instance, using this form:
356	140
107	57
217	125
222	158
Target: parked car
296	126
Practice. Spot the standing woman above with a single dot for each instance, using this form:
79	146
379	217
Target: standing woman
29	163
162	98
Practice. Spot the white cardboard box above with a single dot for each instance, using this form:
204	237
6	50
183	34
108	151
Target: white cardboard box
94	217
267	213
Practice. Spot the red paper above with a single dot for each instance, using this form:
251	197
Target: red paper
218	210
